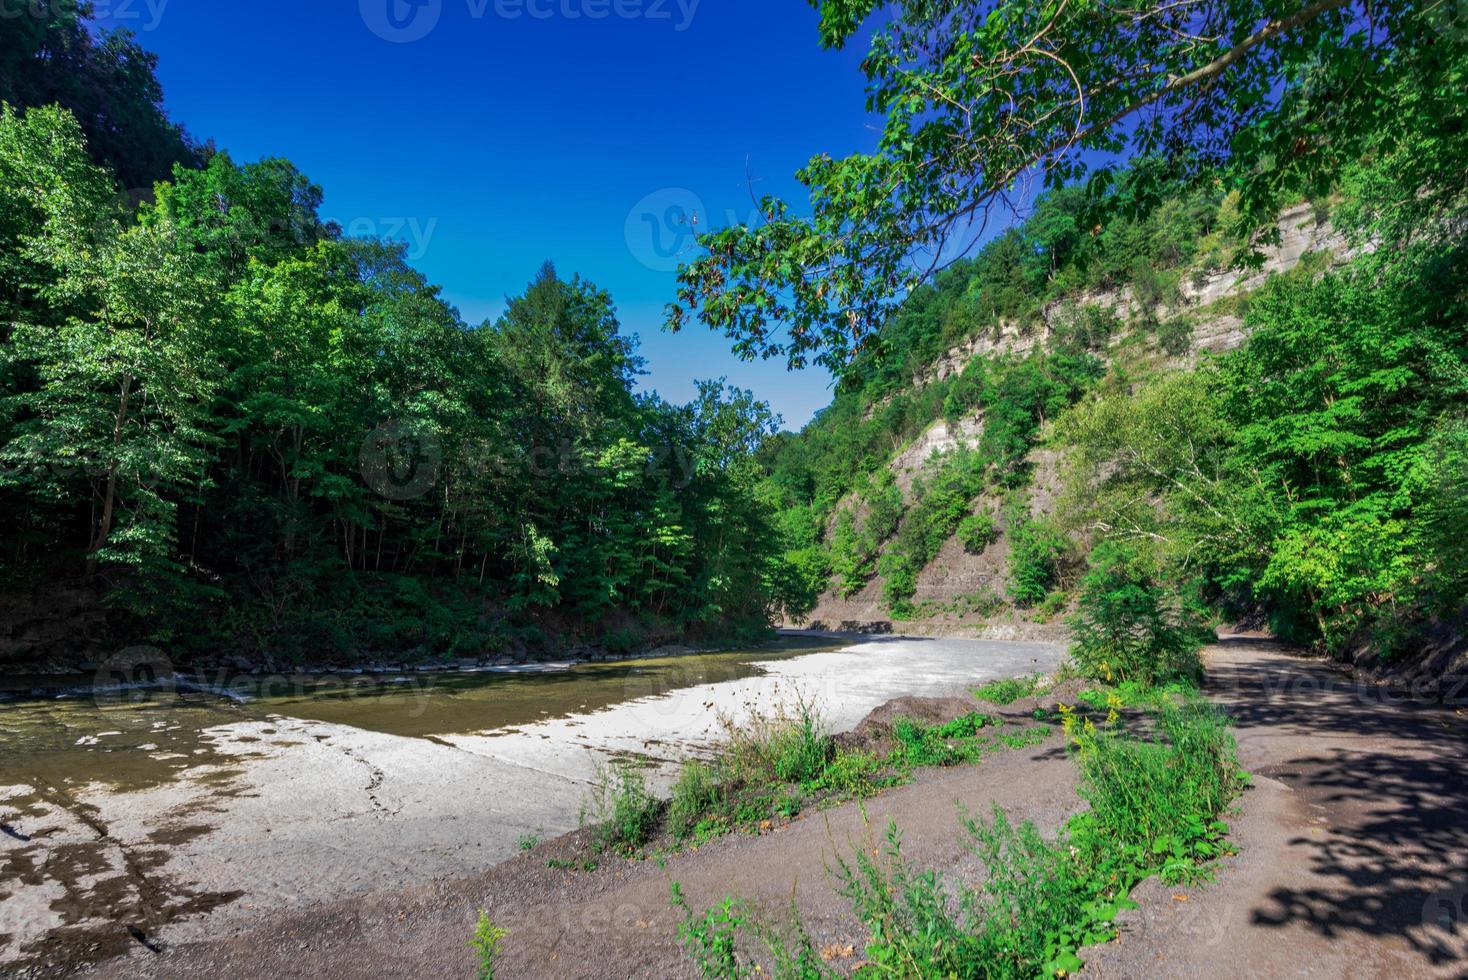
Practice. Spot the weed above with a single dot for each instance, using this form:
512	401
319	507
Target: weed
528	842
1155	802
1011	689
486	943
696	792
624	811
854	774
1025	737
1155	808
712	940
790	745
940	745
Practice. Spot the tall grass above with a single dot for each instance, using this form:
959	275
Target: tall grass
1156	804
622	809
1155	801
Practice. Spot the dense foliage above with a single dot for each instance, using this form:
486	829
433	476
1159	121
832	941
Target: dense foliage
1315	474
1311	479
980	98
258	434
52	54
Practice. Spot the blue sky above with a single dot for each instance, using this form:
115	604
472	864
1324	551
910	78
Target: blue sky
495	134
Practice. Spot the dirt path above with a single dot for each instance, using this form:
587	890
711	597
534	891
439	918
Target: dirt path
1354	841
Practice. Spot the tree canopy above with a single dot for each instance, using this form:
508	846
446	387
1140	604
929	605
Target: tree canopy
981	101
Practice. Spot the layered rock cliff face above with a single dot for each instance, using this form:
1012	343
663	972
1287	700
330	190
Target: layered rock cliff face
959	593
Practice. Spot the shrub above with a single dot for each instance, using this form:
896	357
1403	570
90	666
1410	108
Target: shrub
1175	335
801	748
940	745
623	809
1128	628
1035	556
1155	807
853	774
712	940
885	511
977	531
1035	908
983	601
1011	689
791	744
899	583
851	556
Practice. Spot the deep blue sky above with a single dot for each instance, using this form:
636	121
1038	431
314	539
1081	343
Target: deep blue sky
496	142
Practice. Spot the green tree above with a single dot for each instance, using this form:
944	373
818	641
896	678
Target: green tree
1274	99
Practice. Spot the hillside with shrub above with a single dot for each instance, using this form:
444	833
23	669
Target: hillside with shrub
1277	438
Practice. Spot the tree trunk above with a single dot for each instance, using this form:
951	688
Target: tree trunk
109	496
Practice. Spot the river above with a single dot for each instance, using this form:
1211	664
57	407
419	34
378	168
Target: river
179	811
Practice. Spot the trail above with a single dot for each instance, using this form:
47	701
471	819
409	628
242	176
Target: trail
1354	837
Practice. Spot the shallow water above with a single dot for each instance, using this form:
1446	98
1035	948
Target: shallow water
131	740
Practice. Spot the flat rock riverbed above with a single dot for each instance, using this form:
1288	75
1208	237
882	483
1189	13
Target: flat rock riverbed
168	817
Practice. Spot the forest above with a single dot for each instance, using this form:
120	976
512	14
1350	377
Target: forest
219	409
242	432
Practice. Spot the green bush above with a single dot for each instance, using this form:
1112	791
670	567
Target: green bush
1155	802
977	531
486	943
852	556
712	941
940	745
1155	809
1036	552
696	793
899	583
885	507
1011	689
1128	627
1175	335
800	749
1035	908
